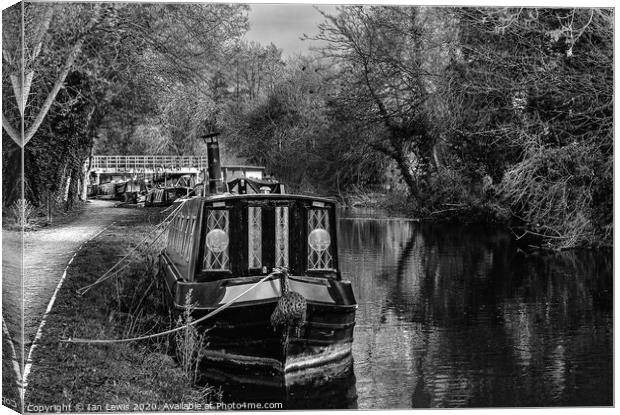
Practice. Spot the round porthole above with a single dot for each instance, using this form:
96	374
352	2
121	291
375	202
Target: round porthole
217	240
319	240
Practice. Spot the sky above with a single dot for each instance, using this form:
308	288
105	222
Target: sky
284	24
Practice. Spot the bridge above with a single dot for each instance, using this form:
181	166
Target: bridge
147	164
125	167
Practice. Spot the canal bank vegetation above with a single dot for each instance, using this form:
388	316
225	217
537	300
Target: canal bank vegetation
93	69
22	214
497	115
492	115
143	373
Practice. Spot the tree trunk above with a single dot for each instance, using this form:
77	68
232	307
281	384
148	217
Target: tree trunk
438	164
86	171
84	193
73	187
62	185
405	169
50	202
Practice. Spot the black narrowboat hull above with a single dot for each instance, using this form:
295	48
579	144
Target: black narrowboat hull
243	337
240	340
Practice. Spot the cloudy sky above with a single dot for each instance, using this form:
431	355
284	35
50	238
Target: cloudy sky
284	24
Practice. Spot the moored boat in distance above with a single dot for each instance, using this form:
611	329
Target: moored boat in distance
298	322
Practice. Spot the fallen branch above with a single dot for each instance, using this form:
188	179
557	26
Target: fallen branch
445	210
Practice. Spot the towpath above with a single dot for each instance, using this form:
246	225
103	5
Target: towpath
47	253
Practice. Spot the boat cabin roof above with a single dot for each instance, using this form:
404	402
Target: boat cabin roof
264	196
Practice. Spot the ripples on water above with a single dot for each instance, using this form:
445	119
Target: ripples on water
453	316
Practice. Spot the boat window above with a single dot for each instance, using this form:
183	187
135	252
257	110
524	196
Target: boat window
216	241
175	234
180	231
180	234
281	236
159	196
319	240
188	238
172	233
255	236
184	234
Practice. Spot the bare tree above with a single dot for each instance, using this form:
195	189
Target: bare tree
389	59
533	94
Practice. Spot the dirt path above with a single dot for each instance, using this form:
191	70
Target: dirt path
46	255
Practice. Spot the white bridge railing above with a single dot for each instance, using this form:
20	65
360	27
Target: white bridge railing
159	164
141	162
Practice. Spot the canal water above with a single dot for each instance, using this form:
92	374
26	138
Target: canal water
455	316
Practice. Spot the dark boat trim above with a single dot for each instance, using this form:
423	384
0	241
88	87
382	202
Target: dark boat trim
265	196
181	287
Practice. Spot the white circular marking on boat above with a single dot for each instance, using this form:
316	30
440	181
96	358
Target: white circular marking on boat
319	240
217	240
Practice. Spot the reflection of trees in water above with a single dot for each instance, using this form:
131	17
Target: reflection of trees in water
502	327
423	273
337	392
559	320
366	249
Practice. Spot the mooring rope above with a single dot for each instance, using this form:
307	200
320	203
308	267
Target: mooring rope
172	206
109	274
112	272
164	333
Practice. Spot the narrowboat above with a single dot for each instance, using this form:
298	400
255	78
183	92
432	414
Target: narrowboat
165	196
169	187
299	321
132	191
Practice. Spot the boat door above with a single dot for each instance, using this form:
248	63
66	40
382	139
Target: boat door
298	234
268	235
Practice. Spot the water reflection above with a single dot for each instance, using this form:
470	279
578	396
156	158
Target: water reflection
453	316
460	317
336	392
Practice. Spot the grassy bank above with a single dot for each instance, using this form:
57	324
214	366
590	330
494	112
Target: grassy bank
119	377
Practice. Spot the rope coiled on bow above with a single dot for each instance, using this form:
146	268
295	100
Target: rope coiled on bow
291	307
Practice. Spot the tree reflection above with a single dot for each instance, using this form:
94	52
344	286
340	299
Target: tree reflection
461	317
